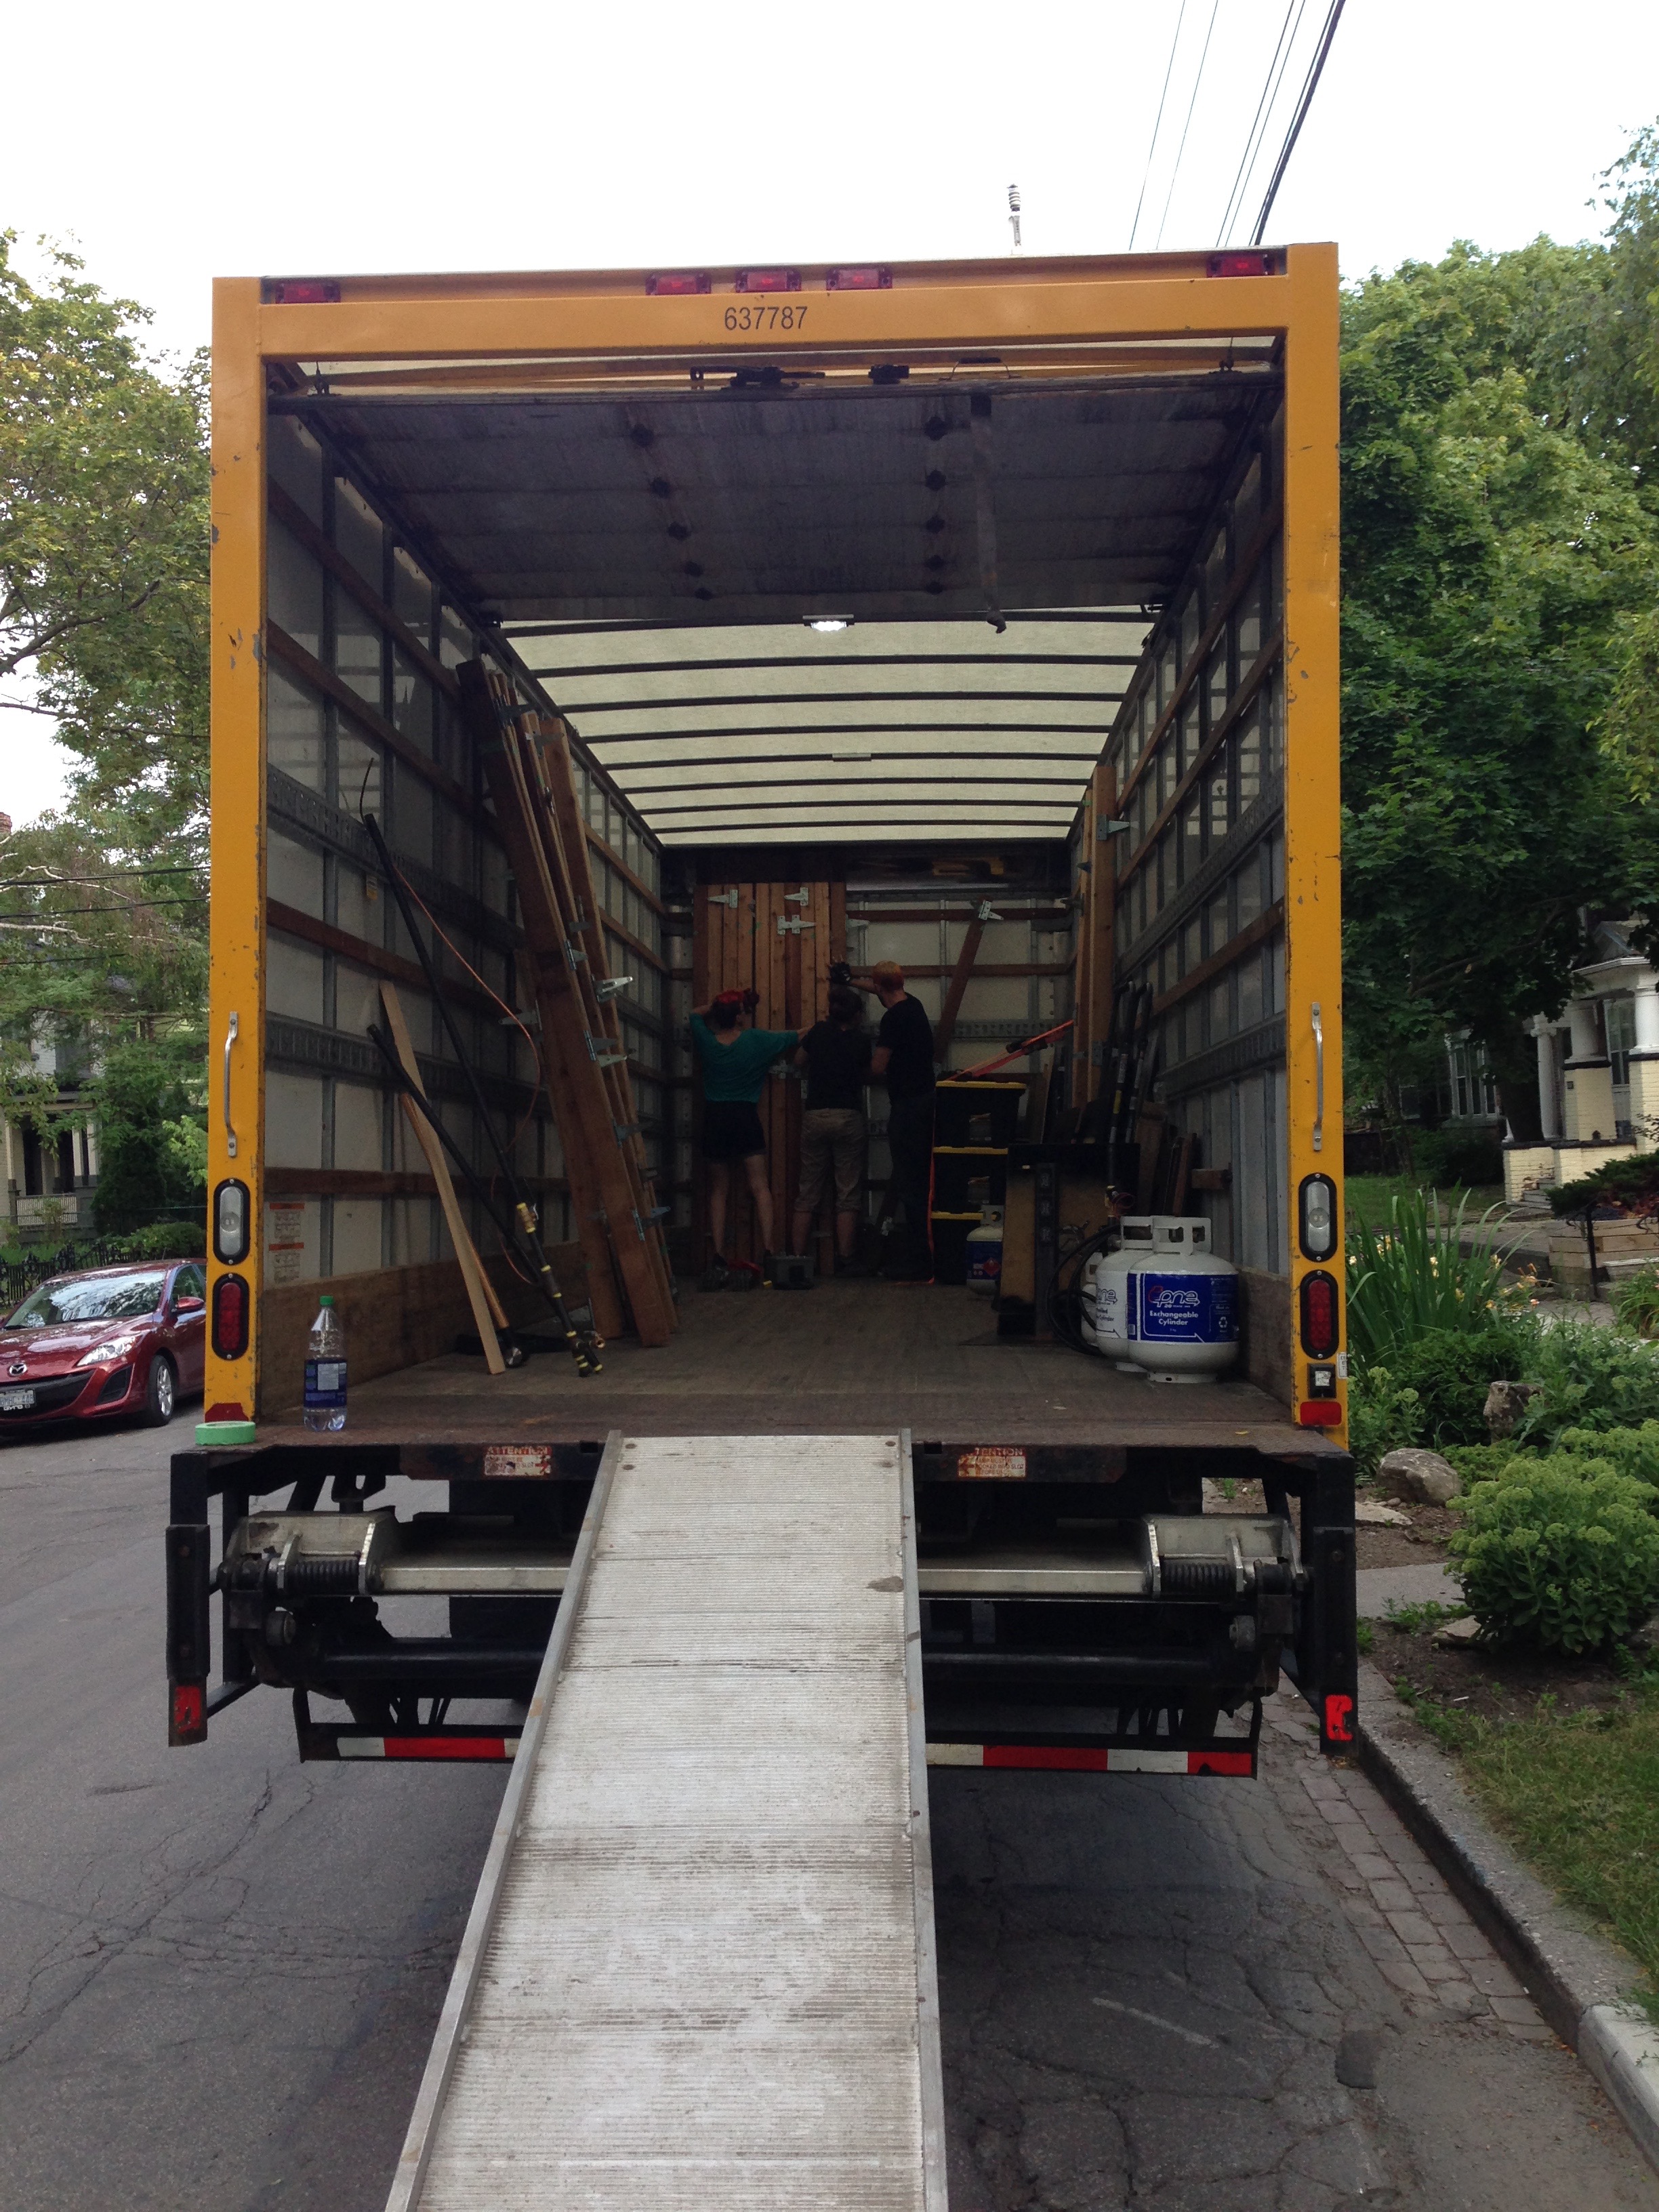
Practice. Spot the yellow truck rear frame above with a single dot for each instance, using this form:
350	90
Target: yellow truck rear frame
409	474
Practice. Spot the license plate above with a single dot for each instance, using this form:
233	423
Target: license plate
16	1401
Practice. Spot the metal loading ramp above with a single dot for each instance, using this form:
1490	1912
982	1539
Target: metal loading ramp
699	1971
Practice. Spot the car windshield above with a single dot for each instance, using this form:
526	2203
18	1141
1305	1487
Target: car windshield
91	1297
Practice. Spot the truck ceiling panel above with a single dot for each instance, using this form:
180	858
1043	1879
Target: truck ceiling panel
655	558
981	731
567	508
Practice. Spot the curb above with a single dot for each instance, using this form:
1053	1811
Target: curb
1577	1979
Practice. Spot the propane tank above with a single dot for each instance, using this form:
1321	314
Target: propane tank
1086	1301
1182	1305
984	1246
1114	1314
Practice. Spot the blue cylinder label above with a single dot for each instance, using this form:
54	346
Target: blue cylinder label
1187	1308
326	1382
984	1262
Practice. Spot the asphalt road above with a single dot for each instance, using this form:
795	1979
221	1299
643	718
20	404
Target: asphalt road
219	1970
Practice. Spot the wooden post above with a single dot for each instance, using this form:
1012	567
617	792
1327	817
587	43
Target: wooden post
959	976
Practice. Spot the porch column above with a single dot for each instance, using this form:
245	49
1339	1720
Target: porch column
1644	1065
1589	1084
1549	1101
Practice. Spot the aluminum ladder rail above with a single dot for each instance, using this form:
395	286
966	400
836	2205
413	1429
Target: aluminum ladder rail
700	1968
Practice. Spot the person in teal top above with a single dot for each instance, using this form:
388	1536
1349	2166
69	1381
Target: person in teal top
733	1060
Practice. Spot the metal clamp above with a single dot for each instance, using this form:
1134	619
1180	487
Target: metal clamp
1319	1080
725	898
985	912
793	926
602	1059
575	954
230	1039
803	897
611	986
625	1130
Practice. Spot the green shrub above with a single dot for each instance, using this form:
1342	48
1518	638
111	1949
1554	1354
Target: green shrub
1590	1378
1632	1452
1381	1418
1632	1181
1487	1462
1409	1275
1451	1371
1635	1301
1455	1156
1564	1556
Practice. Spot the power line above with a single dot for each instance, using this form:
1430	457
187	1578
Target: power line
1309	87
1157	124
1264	106
1187	126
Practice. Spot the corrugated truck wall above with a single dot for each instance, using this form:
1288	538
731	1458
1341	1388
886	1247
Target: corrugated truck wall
1196	760
363	717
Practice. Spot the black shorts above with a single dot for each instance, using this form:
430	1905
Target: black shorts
730	1130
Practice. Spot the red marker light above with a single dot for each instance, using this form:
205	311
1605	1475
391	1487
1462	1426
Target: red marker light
189	1713
1338	1718
859	280
1241	264
230	1316
678	284
304	292
1321	1326
768	280
1320	1414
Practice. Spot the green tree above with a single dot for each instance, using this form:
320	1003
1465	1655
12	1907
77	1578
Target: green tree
1495	560
150	1105
104	485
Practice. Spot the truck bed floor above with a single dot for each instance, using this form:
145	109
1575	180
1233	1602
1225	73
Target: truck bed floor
845	1358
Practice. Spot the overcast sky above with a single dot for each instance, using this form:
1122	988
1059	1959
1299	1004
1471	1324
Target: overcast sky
183	140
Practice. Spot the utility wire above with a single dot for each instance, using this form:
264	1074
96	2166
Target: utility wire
1264	106
1187	126
1157	124
1309	87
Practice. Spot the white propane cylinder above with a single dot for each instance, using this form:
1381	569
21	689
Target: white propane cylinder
1113	1329
1086	1303
984	1246
1182	1305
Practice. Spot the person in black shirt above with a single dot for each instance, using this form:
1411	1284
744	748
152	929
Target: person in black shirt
903	1058
835	1055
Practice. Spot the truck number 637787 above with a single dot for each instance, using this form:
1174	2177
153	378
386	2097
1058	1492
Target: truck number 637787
761	316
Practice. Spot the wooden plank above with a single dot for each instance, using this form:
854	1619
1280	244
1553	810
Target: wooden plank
601	1100
578	1103
556	760
487	1312
958	984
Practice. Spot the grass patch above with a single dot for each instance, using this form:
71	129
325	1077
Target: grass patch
1368	1196
1578	1796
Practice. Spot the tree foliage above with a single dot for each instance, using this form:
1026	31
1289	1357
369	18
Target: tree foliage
151	1109
104	534
1501	556
104	487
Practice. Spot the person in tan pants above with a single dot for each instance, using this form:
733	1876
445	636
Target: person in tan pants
835	1055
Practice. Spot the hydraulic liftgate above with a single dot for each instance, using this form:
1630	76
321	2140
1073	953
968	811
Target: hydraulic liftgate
700	1967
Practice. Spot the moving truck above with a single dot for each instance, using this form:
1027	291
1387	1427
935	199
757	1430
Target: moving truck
979	616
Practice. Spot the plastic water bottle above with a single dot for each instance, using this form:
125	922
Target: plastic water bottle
326	1371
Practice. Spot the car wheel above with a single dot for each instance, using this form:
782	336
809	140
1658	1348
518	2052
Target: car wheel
160	1393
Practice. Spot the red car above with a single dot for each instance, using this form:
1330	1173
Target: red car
115	1340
